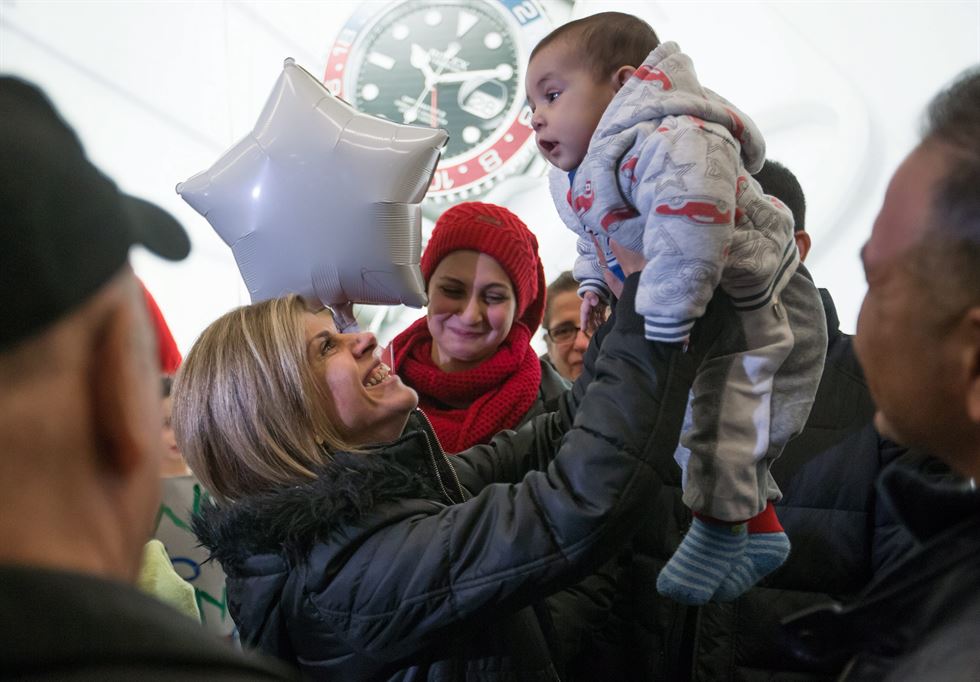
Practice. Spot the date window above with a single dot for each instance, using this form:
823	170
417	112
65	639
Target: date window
483	99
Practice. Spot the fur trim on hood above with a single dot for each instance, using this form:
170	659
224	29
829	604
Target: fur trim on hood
291	520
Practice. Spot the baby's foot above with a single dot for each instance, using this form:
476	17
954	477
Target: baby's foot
765	551
704	559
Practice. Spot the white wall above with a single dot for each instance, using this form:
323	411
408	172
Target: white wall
157	90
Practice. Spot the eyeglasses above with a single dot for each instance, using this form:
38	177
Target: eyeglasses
565	333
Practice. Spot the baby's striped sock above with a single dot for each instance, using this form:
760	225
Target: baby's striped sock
765	551
703	560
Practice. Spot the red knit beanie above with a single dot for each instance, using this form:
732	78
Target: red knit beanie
167	349
497	232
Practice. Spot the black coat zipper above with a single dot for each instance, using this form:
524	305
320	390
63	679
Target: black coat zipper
442	454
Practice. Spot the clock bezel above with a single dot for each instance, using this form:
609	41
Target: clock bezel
512	142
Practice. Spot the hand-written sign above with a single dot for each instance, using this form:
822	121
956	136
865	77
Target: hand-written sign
182	497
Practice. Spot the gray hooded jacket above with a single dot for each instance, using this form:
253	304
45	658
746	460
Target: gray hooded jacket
668	173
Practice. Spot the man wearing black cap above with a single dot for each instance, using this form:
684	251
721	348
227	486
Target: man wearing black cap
80	419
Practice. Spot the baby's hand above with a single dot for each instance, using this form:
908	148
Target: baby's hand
592	312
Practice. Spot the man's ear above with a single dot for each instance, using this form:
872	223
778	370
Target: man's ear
803	243
972	364
622	74
118	379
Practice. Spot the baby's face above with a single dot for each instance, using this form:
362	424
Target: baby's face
567	102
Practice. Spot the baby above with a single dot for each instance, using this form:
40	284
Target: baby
646	156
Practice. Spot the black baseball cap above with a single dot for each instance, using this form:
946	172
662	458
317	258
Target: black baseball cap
65	228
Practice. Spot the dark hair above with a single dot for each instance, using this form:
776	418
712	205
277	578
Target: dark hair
606	41
562	283
953	118
777	180
951	249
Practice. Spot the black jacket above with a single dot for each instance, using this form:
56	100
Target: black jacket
921	620
57	625
550	391
379	570
841	538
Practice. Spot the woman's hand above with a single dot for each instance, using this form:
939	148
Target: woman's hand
630	261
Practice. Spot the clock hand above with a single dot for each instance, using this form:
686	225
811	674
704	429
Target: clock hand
412	114
503	72
420	60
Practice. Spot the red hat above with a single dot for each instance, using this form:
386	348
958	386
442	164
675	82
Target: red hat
497	232
166	345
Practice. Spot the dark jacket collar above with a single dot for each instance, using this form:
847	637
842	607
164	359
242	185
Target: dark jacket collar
927	506
897	609
290	520
68	625
830	310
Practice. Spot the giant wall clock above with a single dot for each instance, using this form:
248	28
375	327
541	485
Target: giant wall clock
452	64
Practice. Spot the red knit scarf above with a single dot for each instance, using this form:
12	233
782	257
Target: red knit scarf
500	390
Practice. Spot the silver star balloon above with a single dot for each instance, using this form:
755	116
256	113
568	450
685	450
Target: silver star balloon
322	200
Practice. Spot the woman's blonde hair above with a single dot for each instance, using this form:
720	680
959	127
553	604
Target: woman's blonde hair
246	408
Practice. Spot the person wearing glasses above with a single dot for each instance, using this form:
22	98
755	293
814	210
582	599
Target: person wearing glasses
566	341
470	358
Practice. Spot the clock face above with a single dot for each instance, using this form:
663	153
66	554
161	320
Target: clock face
451	66
457	65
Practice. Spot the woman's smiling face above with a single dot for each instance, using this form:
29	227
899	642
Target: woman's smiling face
362	398
471	309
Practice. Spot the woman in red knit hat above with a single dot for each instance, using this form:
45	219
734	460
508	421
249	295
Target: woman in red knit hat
470	358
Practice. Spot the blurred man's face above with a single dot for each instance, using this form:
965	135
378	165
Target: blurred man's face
908	364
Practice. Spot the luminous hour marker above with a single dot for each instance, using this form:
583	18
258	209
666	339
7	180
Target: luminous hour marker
433	18
400	32
493	40
465	23
369	92
384	61
471	134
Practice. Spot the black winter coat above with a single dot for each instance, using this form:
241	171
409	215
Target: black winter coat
550	391
841	538
78	627
921	620
379	570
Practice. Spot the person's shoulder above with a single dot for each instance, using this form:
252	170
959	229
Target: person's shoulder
550	376
553	385
59	622
842	360
951	653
